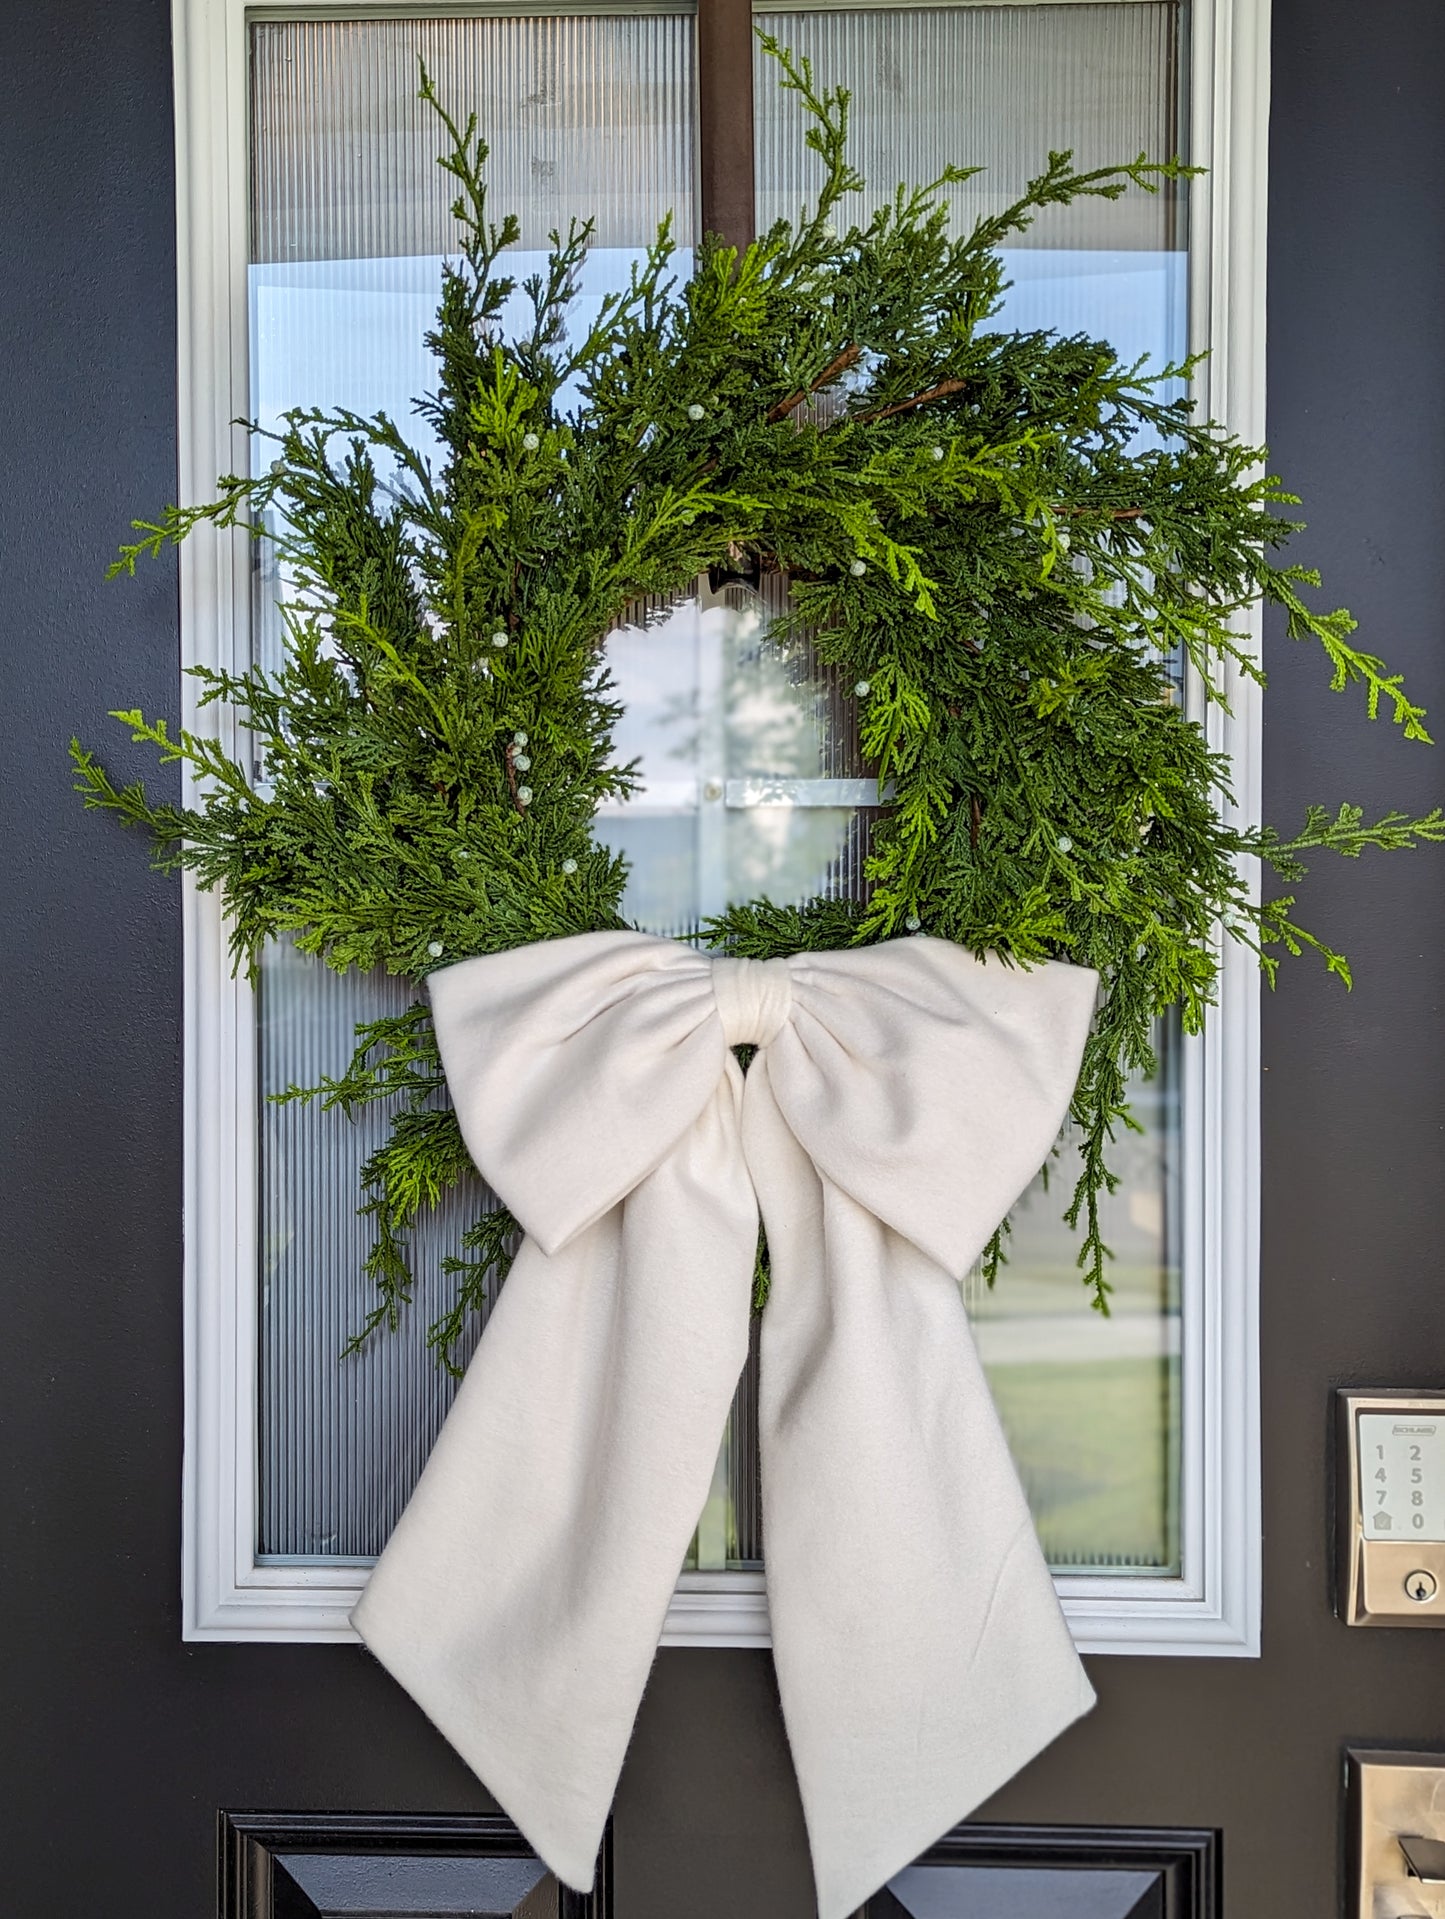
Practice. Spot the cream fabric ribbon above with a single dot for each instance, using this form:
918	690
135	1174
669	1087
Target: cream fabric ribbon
902	1097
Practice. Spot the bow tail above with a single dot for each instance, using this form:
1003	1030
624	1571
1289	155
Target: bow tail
522	1595
921	1655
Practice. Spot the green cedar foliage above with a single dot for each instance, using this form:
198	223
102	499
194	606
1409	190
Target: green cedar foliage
972	531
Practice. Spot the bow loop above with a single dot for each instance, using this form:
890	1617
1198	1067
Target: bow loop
575	1066
929	1084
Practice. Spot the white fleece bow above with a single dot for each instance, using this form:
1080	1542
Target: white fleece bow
901	1098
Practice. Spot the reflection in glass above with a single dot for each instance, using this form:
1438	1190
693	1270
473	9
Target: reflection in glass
751	783
1091	1404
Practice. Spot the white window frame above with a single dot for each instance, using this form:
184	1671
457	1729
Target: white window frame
1213	1608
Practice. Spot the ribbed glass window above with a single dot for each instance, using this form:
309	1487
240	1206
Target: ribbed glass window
752	780
1091	1404
995	87
350	219
584	114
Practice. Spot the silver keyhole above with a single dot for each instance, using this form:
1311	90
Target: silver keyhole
1421	1586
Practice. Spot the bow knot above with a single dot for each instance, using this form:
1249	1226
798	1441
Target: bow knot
905	1096
753	997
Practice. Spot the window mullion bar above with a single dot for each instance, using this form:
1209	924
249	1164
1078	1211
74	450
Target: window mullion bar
725	118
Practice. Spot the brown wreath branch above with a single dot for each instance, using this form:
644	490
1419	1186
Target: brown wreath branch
840	363
939	392
1113	512
510	756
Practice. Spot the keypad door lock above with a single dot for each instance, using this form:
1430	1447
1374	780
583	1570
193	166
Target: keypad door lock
1390	1508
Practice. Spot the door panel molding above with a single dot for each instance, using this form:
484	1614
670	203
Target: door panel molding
1143	1872
1213	1607
281	1865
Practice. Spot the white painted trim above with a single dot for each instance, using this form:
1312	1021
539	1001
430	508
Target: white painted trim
1214	1607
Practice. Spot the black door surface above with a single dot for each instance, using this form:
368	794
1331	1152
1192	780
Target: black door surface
122	1742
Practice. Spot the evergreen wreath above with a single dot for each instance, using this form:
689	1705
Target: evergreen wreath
972	531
